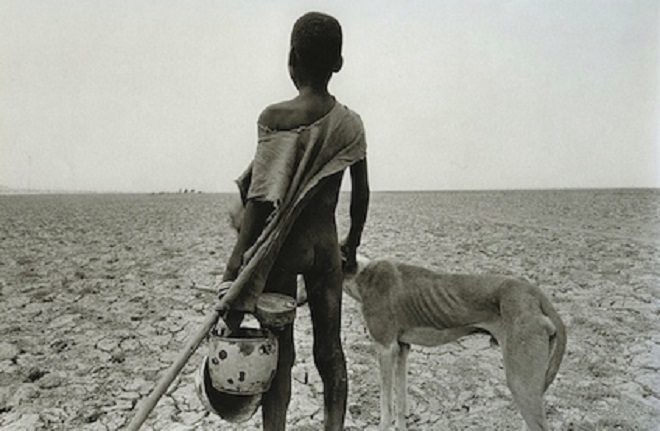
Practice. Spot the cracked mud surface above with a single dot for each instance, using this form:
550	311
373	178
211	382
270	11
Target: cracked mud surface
99	293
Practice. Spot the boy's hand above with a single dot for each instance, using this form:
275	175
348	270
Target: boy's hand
232	322
231	318
222	290
348	259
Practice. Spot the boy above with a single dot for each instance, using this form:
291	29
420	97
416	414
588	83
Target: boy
290	192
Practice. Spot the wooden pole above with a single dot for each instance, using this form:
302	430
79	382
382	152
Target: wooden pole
147	405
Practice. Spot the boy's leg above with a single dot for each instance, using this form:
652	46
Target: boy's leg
324	296
275	402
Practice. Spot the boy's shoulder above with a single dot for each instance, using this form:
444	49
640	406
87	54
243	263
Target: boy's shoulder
278	116
292	114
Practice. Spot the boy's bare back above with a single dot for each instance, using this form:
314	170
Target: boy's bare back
313	238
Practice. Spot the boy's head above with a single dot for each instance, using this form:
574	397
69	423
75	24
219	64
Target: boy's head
315	47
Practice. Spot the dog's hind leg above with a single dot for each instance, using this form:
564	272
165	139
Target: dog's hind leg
526	352
401	386
387	356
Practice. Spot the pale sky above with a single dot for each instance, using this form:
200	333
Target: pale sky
157	95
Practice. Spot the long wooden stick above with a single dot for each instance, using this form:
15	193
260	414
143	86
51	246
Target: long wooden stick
148	404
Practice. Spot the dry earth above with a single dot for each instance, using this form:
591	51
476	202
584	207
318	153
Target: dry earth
99	293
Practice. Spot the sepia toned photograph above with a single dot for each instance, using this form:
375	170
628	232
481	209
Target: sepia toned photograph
352	215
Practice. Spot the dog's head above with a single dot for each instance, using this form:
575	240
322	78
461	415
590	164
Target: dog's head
350	285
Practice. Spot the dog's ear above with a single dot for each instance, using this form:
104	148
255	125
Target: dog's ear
362	260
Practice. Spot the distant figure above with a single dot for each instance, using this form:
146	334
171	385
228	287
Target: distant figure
290	193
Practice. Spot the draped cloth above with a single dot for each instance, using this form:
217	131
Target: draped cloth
286	170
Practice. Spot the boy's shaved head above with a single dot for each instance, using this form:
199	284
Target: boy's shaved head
316	42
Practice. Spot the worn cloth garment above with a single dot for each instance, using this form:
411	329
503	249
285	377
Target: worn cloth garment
285	171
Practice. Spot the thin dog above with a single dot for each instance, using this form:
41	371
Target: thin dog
405	304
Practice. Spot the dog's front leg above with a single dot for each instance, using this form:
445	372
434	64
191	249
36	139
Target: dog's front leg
387	360
401	386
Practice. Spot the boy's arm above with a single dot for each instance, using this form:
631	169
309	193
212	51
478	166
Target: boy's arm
255	215
358	210
254	221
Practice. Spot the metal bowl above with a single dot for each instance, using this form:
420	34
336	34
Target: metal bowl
230	407
243	362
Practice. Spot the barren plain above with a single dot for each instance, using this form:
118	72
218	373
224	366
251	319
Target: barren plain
98	293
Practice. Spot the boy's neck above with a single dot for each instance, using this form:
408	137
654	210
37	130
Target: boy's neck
313	89
309	90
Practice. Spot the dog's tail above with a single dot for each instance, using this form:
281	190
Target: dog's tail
557	342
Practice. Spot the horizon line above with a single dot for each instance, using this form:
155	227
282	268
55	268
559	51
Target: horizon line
9	191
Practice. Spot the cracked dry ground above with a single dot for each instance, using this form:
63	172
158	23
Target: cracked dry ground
99	293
